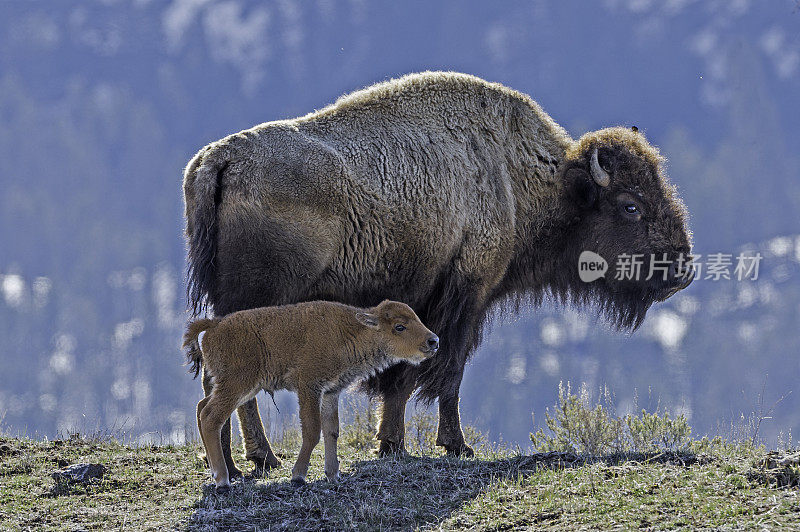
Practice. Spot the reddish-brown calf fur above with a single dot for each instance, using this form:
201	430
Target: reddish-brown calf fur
315	349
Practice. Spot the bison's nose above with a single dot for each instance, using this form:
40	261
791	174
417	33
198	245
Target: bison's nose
681	273
433	342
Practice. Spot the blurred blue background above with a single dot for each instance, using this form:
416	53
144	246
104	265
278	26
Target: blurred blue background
102	104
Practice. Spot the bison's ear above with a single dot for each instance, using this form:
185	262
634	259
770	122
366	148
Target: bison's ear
581	187
367	319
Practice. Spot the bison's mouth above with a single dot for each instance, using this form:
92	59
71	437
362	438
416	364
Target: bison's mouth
672	287
666	293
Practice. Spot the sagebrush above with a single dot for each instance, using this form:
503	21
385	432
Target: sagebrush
580	424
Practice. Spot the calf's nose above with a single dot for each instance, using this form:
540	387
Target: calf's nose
433	342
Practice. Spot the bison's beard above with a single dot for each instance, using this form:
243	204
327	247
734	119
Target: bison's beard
623	305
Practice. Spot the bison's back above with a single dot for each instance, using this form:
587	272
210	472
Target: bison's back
375	201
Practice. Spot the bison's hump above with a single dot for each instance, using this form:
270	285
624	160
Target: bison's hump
275	164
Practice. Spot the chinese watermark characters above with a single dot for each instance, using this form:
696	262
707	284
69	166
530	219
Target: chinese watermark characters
635	267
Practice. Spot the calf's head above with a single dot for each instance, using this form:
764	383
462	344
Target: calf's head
628	213
406	337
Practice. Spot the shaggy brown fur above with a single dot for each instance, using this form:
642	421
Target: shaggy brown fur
315	349
440	189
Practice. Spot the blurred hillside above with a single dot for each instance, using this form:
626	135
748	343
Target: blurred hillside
103	103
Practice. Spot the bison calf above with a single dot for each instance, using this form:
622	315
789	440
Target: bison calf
315	349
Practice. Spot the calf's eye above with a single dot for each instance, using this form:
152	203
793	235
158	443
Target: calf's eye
630	208
399	328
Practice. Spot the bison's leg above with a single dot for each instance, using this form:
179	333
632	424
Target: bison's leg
396	386
450	435
454	313
233	471
256	445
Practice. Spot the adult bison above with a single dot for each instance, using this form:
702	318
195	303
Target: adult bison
438	189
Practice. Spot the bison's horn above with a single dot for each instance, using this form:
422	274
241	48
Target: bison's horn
600	176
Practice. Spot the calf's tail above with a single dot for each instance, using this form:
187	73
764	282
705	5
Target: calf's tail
194	354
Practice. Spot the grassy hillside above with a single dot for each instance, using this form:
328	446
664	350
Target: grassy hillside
709	484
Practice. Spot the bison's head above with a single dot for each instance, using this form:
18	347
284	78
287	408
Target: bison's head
629	214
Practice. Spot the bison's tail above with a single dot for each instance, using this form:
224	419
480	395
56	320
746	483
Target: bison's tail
194	354
201	193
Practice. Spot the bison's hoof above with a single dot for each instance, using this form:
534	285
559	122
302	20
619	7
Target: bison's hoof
264	464
272	462
234	472
223	490
390	449
298	482
461	450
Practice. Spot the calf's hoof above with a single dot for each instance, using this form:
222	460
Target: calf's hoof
298	482
233	471
391	449
332	478
223	490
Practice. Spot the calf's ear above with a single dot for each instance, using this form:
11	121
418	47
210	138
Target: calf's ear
581	187
367	319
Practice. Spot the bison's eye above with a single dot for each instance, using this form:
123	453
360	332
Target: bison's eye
399	328
631	211
629	206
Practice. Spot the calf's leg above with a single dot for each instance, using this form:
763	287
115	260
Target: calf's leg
200	407
330	430
310	428
233	471
211	417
